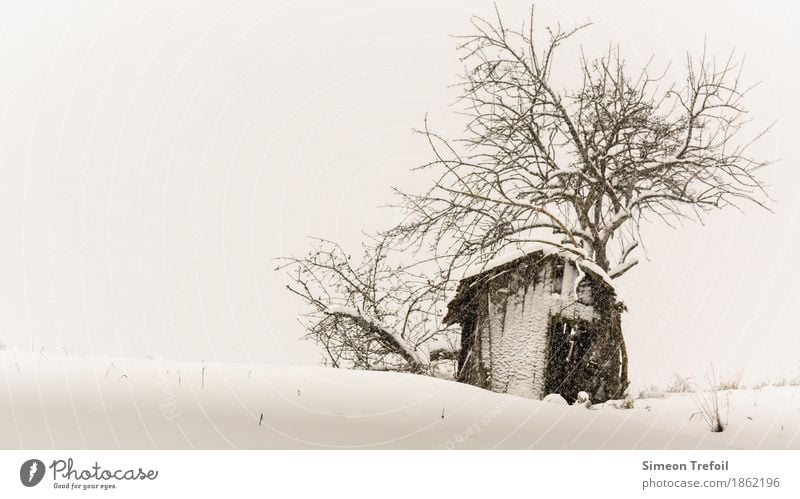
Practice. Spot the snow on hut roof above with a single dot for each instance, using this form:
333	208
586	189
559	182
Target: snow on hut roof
536	247
469	283
508	257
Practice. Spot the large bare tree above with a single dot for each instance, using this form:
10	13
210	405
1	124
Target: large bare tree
579	167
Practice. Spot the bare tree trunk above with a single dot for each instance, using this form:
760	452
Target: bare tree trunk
614	371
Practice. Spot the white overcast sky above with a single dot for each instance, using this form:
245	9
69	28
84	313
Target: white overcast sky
155	157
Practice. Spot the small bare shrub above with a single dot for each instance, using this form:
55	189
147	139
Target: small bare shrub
622	404
787	381
679	384
732	383
710	406
781	381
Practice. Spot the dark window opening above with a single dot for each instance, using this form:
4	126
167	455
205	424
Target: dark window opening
558	276
585	292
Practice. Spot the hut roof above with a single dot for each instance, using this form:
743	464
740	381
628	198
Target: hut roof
476	276
513	256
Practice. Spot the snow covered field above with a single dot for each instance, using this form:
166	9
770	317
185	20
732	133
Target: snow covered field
52	401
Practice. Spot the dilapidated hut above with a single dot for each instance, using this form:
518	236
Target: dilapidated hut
540	321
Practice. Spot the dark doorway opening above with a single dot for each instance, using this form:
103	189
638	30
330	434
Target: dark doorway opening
569	345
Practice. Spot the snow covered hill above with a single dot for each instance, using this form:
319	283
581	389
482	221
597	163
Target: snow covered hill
52	401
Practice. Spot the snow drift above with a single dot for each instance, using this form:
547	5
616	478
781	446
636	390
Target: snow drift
61	402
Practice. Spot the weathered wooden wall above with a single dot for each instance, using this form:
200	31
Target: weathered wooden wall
507	318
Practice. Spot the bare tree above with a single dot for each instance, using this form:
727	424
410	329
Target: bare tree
579	169
369	314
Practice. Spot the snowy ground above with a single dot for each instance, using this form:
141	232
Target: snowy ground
51	401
